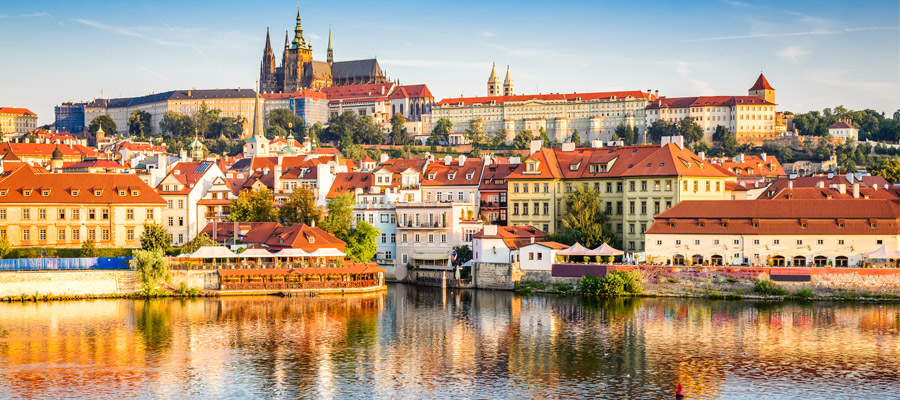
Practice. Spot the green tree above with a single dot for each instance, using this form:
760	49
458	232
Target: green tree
361	242
201	240
155	237
151	268
729	143
627	133
288	121
399	135
498	138
176	124
691	131
339	220
545	140
360	129
441	133
887	168
660	128
88	249
475	133
5	247
139	123
585	217
576	138
300	208
315	132
275	131
230	128
523	140
204	119
109	126
254	206
463	255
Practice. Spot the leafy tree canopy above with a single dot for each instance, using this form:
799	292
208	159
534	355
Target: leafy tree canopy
253	206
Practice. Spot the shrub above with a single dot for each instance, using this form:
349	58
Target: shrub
805	293
768	288
615	283
151	268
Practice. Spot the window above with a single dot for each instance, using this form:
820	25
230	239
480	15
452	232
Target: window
631	186
170	204
619	207
696	243
388	255
26	213
776	241
515	188
755	241
879	241
180	204
61	234
417	238
525	188
546	227
403	238
42	234
26	234
76	234
180	238
644	207
799	242
643	186
97	193
737	241
444	238
531	255
655	208
841	241
630	245
618	228
129	234
405	260
537	187
618	187
135	193
546	188
92	213
383	238
515	209
655	186
42	213
643	228
708	183
92	234
460	196
608	187
524	208
678	242
62	213
150	213
537	210
716	241
820	241
659	242
430	238
104	234
171	221
568	188
104	214
2	213
630	228
631	207
668	185
546	211
540	256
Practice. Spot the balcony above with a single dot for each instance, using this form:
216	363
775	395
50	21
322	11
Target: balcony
426	225
493	204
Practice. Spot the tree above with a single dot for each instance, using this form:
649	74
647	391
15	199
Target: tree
151	268
724	136
228	127
576	138
253	206
360	129
887	168
545	140
627	133
201	240
288	121
585	217
362	242
315	132
523	140
463	255
176	124
109	126
339	221
690	130
275	131
5	247
139	123
475	133
441	133
399	135
498	138
204	119
660	128
88	249
300	208
155	237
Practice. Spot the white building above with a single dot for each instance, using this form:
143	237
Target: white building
182	189
427	232
539	256
502	244
453	180
844	131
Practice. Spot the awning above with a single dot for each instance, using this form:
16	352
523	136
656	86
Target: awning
256	253
431	256
327	252
213	252
575	250
292	253
883	253
606	250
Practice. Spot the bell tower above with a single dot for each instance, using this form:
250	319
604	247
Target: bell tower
493	83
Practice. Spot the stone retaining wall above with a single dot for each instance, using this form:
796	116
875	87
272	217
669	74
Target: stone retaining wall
501	276
200	279
70	283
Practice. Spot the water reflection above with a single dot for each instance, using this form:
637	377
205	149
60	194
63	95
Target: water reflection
421	342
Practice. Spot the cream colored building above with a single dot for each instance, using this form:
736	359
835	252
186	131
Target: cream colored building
64	209
796	233
16	120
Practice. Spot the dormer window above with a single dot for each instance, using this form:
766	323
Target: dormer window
74	193
469	177
45	192
26	192
123	193
532	167
312	239
431	177
135	193
98	193
451	176
2	192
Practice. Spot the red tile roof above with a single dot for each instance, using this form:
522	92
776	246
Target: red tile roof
762	83
494	176
298	236
841	125
755	166
671	160
867	181
547	168
46	150
16	110
439	174
514	237
62	185
411	91
570	97
327	150
812	193
350	181
369	92
706	101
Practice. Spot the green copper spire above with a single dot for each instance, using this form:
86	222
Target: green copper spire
287	42
330	51
298	42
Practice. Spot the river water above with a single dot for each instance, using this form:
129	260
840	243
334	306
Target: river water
414	342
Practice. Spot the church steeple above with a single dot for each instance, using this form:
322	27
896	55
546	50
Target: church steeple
267	68
268	49
298	42
507	84
493	84
287	42
330	51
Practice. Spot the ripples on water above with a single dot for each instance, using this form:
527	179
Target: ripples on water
423	343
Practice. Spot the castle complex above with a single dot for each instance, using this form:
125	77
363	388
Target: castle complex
299	71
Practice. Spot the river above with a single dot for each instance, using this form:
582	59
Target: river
414	342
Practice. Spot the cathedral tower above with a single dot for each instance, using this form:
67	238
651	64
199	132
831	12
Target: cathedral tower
763	89
507	84
493	84
268	80
330	51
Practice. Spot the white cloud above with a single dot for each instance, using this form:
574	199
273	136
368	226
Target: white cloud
313	36
37	14
736	3
790	34
682	68
486	34
793	53
703	88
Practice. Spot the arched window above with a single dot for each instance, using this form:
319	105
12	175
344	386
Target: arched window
778	261
715	260
820	261
697	259
799	261
841	261
678	259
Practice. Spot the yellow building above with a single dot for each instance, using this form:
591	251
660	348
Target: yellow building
64	209
16	120
635	182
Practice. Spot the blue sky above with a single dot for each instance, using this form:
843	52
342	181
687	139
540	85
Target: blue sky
815	54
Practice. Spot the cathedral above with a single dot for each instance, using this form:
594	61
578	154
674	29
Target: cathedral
299	71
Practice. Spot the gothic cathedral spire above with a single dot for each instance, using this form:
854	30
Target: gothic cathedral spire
298	42
267	68
330	51
493	84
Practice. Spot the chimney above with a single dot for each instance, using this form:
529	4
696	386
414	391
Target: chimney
276	182
791	185
656	93
850	177
820	184
568	147
532	240
702	155
462	160
448	159
739	158
162	162
490	230
385	157
596	144
280	159
515	160
842	188
856	190
184	156
535	146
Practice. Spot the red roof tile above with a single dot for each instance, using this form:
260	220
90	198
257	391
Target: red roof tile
62	185
345	182
706	101
16	110
570	97
841	125
439	174
762	83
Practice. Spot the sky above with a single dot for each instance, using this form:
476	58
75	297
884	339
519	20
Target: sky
816	54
